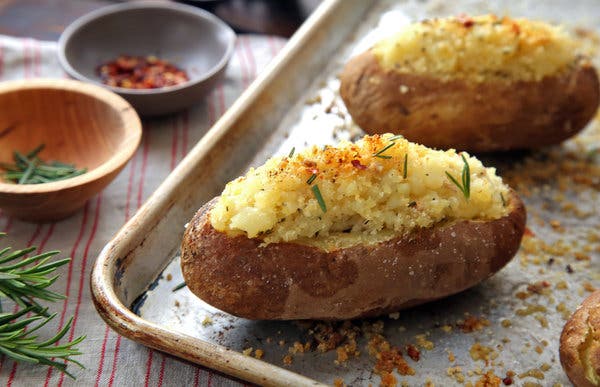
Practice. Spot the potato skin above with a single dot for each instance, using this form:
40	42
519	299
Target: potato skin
283	281
578	344
466	115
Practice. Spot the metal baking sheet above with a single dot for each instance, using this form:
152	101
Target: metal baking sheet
520	311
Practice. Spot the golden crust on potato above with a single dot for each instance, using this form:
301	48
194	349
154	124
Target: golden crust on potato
466	115
580	344
249	279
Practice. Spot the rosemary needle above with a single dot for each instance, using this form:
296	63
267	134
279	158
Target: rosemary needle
29	169
317	193
180	286
380	152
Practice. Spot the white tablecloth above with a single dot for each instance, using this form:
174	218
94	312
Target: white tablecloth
109	358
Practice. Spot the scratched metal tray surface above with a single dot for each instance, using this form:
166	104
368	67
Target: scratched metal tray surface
295	103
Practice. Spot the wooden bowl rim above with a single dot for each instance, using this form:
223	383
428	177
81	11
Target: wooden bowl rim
131	124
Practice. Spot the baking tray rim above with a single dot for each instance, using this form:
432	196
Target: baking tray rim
126	323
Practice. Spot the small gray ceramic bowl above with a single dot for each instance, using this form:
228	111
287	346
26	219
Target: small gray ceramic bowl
192	39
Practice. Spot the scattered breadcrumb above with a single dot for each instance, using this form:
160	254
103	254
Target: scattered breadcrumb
456	374
588	287
423	342
339	382
473	323
532	373
388	380
530	309
413	352
446	328
451	357
489	379
542	320
482	352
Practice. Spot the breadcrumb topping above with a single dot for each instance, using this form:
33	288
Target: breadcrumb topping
369	191
479	48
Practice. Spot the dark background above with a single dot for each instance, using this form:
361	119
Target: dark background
46	19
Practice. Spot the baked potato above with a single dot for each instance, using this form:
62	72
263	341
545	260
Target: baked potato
477	84
580	344
356	230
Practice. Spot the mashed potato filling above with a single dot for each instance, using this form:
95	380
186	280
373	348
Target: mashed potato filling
367	194
479	48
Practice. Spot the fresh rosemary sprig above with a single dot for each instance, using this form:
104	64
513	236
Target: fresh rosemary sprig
25	280
405	172
29	169
465	187
20	344
24	284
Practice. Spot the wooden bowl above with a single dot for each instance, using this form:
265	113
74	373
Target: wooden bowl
79	123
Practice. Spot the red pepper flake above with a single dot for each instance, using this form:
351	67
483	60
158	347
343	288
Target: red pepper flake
507	381
528	232
139	72
357	164
465	20
516	29
413	352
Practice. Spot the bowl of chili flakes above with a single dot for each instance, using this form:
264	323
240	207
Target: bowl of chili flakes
161	57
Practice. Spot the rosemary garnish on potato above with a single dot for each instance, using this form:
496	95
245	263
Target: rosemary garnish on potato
380	152
465	187
405	172
317	192
30	169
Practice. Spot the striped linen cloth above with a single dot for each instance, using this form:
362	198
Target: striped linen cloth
111	360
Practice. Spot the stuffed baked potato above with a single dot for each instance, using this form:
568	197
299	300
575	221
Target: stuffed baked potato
475	84
356	230
580	344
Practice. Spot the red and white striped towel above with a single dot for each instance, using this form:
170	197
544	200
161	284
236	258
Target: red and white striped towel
109	359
